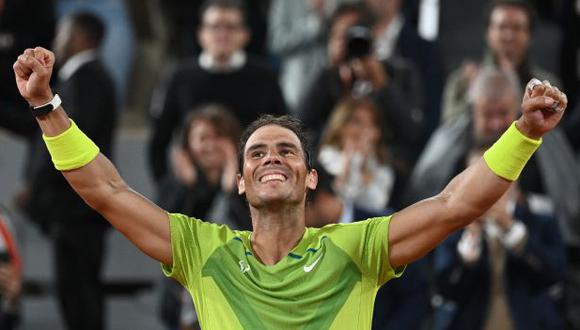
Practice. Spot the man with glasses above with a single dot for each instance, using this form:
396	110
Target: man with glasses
223	73
509	30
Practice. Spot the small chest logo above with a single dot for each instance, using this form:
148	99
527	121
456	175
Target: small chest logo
309	268
244	267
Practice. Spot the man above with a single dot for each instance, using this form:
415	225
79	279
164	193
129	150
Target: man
221	74
282	275
509	27
494	99
497	272
78	233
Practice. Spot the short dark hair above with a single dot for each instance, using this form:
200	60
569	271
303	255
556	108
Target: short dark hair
224	4
284	121
521	4
90	25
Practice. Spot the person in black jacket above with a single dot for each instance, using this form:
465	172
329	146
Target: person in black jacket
222	73
78	233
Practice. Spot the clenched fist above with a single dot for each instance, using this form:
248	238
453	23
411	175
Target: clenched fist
543	106
33	70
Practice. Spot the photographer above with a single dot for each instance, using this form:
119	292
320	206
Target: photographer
354	71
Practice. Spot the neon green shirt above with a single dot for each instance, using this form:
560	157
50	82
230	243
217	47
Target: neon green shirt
328	281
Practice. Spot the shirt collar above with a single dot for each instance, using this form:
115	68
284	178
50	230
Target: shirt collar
75	62
237	60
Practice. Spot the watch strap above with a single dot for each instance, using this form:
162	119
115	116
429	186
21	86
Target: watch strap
44	109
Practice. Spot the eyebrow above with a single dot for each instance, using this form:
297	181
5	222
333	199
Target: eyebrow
281	144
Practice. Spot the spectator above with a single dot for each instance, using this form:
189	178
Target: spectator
354	153
221	74
509	25
204	172
395	36
78	233
496	273
393	85
297	36
118	46
550	176
202	184
10	276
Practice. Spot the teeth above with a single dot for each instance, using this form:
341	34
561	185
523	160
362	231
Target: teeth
272	177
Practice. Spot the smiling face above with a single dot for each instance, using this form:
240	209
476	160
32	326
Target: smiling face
274	169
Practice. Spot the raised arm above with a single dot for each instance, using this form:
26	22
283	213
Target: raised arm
419	228
97	182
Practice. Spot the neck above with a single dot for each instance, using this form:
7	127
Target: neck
222	62
276	232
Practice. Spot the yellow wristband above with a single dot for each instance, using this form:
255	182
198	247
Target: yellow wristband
71	149
508	155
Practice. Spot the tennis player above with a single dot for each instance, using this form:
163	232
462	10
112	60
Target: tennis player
282	275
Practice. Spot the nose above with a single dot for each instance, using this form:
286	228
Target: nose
272	157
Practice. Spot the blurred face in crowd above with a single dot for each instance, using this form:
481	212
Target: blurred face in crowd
361	129
274	172
337	37
205	145
508	34
222	32
492	116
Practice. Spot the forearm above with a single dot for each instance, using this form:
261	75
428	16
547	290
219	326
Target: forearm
142	222
419	228
470	194
99	184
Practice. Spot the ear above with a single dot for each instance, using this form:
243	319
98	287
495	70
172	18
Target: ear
312	179
241	184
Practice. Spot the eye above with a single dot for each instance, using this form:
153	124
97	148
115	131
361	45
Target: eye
287	152
257	154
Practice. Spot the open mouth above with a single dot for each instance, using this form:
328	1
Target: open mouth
273	177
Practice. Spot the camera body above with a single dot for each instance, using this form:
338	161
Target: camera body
359	42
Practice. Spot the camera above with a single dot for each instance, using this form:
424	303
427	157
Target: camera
359	42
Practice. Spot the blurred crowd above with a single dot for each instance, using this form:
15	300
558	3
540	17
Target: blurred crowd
397	98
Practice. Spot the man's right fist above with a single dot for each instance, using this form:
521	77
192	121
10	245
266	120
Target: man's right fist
33	70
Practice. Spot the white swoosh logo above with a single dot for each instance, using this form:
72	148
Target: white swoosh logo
307	269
